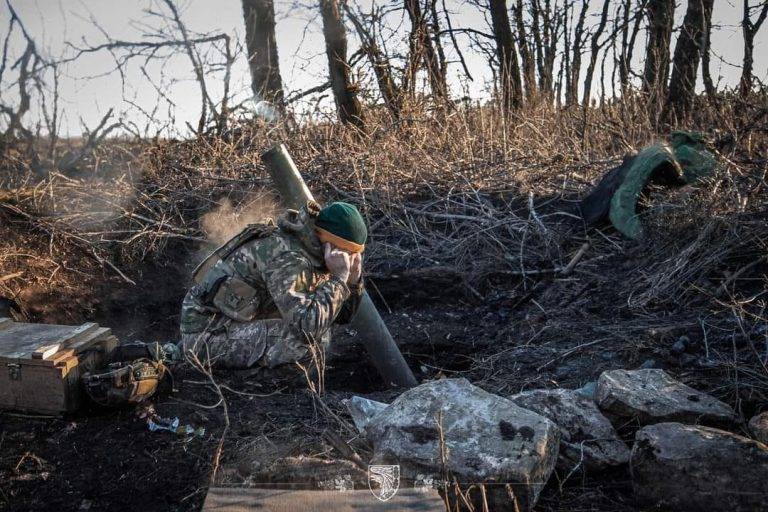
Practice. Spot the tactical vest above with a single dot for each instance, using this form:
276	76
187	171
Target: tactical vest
235	295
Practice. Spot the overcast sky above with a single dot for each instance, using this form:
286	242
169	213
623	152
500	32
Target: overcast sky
87	89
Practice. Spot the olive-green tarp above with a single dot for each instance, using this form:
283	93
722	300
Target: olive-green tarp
681	161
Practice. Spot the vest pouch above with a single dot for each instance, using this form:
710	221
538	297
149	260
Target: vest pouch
237	300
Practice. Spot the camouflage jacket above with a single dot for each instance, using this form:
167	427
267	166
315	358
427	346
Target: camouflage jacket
279	274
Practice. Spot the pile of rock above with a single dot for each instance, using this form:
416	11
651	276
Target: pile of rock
452	429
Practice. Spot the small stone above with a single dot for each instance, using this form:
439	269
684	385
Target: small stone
693	468
648	364
679	346
758	425
652	396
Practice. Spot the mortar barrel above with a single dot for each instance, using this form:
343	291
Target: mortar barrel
371	329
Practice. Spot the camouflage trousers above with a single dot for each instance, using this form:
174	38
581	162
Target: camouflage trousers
242	345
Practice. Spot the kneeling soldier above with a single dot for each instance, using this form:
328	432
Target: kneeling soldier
266	295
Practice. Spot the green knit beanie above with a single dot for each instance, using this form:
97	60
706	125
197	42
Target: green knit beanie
342	225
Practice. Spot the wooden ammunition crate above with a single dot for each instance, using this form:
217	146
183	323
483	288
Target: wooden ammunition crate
41	364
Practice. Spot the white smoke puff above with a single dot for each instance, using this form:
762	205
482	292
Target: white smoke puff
227	220
265	110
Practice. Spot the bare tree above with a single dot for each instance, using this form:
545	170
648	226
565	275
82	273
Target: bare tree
434	32
626	69
552	21
378	61
344	92
538	44
526	53
624	57
422	50
660	18
750	28
685	65
456	47
706	76
511	85
594	50
171	37
259	17
564	75
30	66
572	81
197	67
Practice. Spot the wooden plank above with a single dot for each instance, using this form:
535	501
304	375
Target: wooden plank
61	355
242	499
109	344
82	331
27	339
83	342
18	341
46	351
68	362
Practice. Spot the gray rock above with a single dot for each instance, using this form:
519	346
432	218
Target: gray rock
363	410
758	425
648	364
652	396
586	436
687	467
480	436
588	390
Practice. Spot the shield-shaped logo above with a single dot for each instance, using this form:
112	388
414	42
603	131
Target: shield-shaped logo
388	480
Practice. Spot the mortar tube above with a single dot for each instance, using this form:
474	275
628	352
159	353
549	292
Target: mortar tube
371	329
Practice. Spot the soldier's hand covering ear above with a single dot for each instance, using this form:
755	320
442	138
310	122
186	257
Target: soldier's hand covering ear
338	262
356	269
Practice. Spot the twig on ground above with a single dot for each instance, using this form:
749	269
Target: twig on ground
344	448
